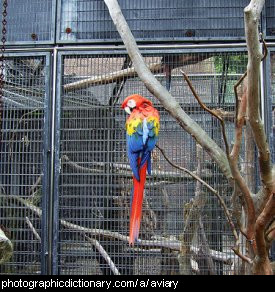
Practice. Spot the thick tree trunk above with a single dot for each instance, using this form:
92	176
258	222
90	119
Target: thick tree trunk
252	15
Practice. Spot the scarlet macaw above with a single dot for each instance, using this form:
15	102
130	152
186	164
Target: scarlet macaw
142	129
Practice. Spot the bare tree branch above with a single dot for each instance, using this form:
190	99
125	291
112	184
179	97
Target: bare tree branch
104	254
215	192
35	233
191	222
110	78
125	170
172	244
236	94
213	113
127	73
35	185
262	263
233	161
205	249
252	15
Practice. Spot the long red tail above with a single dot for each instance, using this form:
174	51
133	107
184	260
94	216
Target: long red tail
136	208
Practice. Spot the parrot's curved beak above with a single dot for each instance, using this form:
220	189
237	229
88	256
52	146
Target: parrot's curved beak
128	110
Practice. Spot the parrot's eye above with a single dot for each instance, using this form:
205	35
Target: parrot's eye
131	104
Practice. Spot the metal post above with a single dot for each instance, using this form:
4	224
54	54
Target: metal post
52	233
46	169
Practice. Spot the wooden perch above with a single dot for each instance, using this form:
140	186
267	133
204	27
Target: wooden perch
110	78
6	248
104	254
162	242
128	73
35	233
125	171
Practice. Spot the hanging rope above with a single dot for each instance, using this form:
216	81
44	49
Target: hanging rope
2	58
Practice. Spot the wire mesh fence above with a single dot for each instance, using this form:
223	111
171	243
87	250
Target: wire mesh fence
272	134
273	99
22	160
31	21
72	21
83	20
270	19
92	178
95	181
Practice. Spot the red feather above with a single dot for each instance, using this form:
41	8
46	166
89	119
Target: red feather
136	208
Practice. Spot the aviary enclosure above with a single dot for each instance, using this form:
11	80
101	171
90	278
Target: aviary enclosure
64	174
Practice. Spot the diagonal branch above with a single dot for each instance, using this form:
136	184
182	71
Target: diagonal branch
35	233
104	254
213	113
212	190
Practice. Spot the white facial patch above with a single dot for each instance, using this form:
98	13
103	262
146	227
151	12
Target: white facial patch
131	103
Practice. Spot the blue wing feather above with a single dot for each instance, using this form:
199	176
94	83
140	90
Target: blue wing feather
140	144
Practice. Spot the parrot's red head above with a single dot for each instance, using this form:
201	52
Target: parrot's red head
134	101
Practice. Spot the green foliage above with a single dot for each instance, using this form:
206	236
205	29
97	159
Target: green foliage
236	63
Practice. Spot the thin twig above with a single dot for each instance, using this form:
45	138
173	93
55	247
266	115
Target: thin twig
215	192
19	122
208	110
191	173
104	254
35	233
35	185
